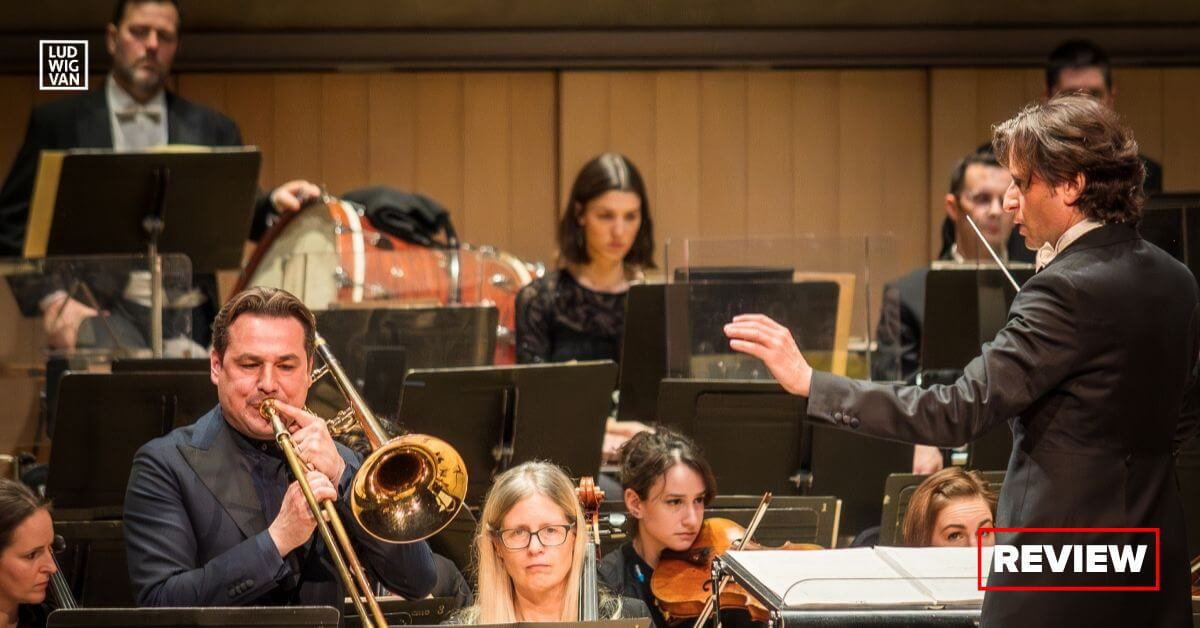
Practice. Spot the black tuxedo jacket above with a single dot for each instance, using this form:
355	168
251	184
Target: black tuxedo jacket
1097	365
196	534
83	122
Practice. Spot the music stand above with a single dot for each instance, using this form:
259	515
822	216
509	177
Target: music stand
194	203
964	308
94	443
398	611
643	352
93	561
854	467
242	617
1172	222
377	346
500	416
160	365
795	518
897	492
751	431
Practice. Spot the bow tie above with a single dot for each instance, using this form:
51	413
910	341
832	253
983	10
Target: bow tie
128	114
1044	256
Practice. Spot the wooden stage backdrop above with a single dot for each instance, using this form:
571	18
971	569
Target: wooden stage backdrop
725	153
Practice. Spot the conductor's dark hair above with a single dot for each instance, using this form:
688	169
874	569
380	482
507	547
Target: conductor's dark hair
118	15
958	176
1072	135
646	457
17	503
605	173
1074	54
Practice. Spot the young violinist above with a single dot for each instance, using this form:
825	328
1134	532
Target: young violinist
530	550
26	559
667	483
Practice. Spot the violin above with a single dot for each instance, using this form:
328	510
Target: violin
682	582
1196	576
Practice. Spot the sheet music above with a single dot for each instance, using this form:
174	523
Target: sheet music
867	577
947	574
831	578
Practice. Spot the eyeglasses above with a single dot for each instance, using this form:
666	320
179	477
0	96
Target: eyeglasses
520	538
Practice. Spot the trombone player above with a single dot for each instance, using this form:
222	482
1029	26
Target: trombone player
213	516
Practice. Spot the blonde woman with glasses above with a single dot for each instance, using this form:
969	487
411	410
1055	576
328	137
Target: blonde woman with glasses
529	552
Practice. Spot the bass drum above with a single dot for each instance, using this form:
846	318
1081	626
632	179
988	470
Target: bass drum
329	254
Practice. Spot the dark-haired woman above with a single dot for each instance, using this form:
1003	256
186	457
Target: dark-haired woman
667	483
605	240
26	561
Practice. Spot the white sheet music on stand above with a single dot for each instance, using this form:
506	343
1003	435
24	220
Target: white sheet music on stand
854	578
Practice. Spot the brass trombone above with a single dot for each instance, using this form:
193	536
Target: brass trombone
407	490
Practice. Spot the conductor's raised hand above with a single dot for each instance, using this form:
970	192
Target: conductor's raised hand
313	442
763	338
295	522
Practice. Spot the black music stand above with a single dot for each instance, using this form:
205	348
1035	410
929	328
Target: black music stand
94	443
194	203
854	467
93	561
160	365
751	431
242	617
377	346
794	518
643	351
897	492
500	416
1172	222
401	612
964	308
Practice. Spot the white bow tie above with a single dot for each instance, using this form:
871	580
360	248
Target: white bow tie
128	114
1045	255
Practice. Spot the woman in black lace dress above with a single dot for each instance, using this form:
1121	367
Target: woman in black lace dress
605	240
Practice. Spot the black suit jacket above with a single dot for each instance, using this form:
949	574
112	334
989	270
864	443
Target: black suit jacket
83	122
1097	363
196	535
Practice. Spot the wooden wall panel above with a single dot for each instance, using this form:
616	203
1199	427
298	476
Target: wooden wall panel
392	128
296	137
439	145
248	99
487	153
1139	99
344	127
815	152
675	207
533	166
723	153
769	168
1181	121
964	104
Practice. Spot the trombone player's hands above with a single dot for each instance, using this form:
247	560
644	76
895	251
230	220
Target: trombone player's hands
763	338
313	442
295	522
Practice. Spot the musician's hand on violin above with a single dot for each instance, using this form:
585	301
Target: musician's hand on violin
926	460
763	338
295	523
62	318
291	196
313	442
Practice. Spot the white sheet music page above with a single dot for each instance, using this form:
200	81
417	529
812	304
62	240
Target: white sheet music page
947	574
838	578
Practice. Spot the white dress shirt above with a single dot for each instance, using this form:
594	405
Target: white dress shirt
135	126
1048	252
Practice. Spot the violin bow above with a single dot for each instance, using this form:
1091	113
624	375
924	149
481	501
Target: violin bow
750	529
